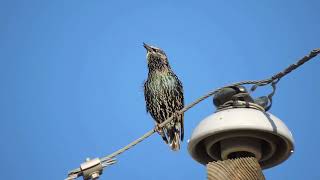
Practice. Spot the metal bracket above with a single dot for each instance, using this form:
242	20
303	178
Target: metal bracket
91	169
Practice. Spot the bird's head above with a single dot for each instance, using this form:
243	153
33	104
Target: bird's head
156	56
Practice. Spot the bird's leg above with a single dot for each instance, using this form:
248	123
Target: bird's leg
160	131
158	128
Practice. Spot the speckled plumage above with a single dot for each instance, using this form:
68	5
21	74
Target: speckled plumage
164	95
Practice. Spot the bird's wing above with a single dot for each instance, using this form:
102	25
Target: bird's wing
180	100
176	102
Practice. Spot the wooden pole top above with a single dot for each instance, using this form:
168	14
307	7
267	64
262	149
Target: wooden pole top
245	168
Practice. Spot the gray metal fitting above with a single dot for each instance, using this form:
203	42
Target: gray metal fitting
91	169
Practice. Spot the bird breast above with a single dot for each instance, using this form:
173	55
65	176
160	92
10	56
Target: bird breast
161	82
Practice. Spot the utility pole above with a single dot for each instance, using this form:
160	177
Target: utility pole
247	168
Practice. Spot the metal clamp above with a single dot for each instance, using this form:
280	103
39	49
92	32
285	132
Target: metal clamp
91	169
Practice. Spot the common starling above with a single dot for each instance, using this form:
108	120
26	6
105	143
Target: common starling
163	93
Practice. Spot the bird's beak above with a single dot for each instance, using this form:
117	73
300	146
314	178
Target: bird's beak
148	48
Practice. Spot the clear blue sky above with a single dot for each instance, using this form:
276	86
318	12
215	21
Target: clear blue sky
71	75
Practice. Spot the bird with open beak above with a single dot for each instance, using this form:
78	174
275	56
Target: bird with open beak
163	93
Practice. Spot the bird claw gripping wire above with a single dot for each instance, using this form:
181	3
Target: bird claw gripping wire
158	128
91	169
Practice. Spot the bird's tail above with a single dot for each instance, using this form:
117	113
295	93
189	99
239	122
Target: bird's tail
175	143
175	133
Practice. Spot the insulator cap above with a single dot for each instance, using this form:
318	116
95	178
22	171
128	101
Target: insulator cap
241	132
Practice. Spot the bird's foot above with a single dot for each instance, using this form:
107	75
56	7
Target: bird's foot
158	128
